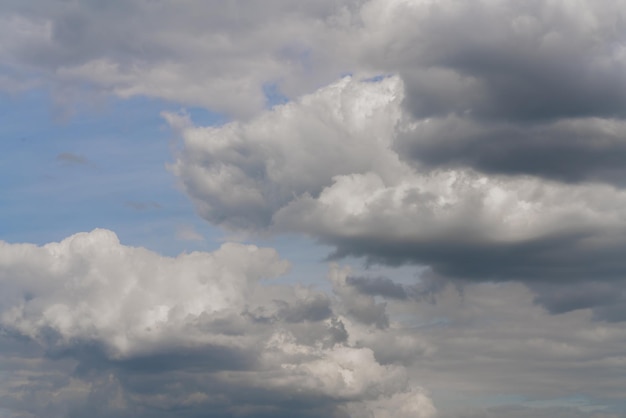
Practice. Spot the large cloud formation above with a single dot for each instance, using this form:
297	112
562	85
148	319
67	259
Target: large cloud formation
365	199
196	333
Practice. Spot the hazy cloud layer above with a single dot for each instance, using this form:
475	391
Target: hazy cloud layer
212	54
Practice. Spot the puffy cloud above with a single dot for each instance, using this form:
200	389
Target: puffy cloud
240	174
131	322
89	287
366	200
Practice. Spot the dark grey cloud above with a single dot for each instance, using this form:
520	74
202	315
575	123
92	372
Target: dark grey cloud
429	285
540	89
571	150
381	286
607	299
566	259
317	308
535	60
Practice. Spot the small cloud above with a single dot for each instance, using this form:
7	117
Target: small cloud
188	233
68	158
140	206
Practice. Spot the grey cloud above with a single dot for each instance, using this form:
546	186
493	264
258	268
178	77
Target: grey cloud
493	338
565	258
514	411
317	308
570	150
539	89
230	51
429	285
531	60
605	298
378	286
360	306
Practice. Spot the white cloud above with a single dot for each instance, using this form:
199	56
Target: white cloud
327	166
240	174
89	287
122	308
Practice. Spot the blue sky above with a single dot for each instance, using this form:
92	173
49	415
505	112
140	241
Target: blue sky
104	166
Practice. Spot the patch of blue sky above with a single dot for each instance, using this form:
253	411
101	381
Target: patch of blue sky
103	167
376	78
273	95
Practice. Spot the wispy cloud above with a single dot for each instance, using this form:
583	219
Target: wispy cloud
68	158
188	233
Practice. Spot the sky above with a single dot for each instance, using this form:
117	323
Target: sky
346	208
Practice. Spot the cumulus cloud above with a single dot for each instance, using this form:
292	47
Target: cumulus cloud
132	321
367	200
241	174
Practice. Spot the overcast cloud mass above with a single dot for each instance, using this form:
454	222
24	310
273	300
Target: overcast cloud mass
478	144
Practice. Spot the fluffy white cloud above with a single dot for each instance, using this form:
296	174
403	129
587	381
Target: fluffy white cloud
131	311
240	174
89	287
